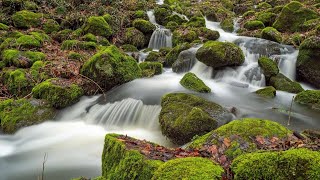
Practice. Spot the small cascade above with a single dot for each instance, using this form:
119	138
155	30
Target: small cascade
151	17
181	15
202	70
186	60
160	2
287	64
128	113
161	37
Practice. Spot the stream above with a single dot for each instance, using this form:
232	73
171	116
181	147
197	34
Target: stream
73	142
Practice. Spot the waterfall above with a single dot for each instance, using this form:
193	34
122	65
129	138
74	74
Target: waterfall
151	17
124	114
287	64
160	38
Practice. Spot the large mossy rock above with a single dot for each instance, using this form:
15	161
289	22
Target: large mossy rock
21	59
184	115
15	114
269	67
308	62
243	130
192	82
17	82
58	92
267	92
150	69
162	15
98	26
308	97
220	54
120	162
134	37
184	35
254	25
173	55
290	164
282	83
189	168
26	19
271	34
292	16
111	67
144	26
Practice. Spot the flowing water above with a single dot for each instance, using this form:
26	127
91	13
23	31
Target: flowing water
74	140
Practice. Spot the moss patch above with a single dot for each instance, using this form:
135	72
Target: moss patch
308	97
151	68
269	67
26	19
192	82
98	26
189	168
282	83
268	92
271	34
135	37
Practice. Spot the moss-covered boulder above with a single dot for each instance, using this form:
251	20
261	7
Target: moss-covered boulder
183	35
291	164
244	131
161	15
196	22
253	25
227	25
4	27
144	26
150	69
176	18
308	64
184	115
135	37
26	19
282	83
58	92
121	162
172	56
267	18
269	67
28	42
267	92
192	82
23	59
97	26
220	54
189	168
292	16
308	97
15	114
111	67
153	56
208	34
271	34
17	82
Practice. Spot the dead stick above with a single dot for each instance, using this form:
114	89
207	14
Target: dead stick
104	95
290	111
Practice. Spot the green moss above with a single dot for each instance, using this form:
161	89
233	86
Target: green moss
220	54
90	37
75	44
184	35
249	13
151	68
144	26
111	67
253	25
129	48
227	25
31	6
37	71
4	27
195	168
176	18
267	18
245	129
264	5
26	19
196	21
161	15
271	34
75	56
268	92
9	56
184	115
192	82
291	164
172	25
141	14
172	56
292	16
17	83
98	26
310	24
58	96
269	67
153	56
21	58
282	83
62	35
135	37
15	114
308	97
118	162
208	34
40	36
27	41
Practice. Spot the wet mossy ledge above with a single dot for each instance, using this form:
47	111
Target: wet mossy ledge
192	82
184	116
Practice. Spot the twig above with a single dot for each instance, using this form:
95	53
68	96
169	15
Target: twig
104	95
45	157
290	110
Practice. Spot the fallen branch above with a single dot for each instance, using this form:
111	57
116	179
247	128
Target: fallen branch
104	95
